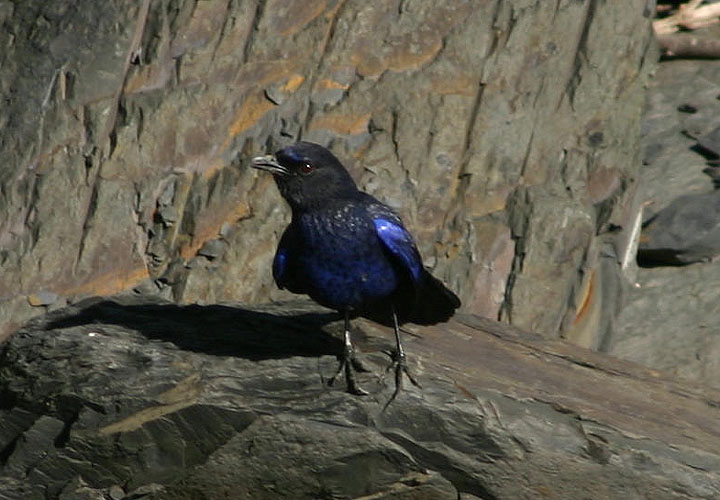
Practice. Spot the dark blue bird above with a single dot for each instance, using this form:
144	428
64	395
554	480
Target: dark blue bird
351	253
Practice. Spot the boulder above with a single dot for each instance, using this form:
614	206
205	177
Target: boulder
505	132
668	320
127	399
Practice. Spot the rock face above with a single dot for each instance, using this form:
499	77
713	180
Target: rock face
505	132
669	320
686	231
130	399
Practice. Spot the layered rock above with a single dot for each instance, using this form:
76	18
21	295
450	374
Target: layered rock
127	399
505	132
668	322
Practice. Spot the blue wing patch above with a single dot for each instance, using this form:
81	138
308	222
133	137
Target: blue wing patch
278	268
401	245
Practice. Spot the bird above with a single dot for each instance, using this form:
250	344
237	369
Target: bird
351	253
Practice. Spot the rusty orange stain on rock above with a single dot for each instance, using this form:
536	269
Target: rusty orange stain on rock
368	64
464	85
413	55
588	296
151	77
254	108
108	283
262	73
212	168
256	105
293	83
251	111
296	15
342	124
209	225
142	417
495	200
332	84
407	54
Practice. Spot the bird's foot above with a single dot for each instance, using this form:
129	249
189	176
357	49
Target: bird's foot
350	365
400	367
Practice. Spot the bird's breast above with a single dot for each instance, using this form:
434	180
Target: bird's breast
342	262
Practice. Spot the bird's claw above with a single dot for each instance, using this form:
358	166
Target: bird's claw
399	366
349	364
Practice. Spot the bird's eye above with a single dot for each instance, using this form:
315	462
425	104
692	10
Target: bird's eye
306	168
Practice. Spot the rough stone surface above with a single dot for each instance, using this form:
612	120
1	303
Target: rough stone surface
672	166
686	231
505	132
207	402
669	321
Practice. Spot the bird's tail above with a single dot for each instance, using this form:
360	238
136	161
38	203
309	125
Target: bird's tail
435	302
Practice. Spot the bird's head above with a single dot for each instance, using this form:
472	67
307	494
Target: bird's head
307	175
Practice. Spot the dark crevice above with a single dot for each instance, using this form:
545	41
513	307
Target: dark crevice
8	399
8	450
493	25
580	55
313	76
226	27
257	16
528	150
112	137
512	22
62	439
92	207
518	203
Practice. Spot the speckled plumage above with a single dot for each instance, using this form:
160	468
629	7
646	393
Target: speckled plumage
331	258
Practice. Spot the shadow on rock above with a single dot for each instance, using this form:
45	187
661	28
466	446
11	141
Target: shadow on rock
214	329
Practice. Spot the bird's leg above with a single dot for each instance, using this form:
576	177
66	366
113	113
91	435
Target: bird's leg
349	363
399	363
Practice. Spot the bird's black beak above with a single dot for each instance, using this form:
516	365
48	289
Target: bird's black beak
270	164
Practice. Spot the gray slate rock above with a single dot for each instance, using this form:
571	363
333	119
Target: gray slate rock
669	321
710	142
127	129
43	298
205	402
686	231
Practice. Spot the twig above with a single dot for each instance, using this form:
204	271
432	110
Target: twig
689	16
678	45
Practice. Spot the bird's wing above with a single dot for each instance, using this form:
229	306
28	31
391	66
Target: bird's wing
398	241
279	266
280	263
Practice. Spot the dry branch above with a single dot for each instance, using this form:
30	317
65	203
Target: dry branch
691	15
677	45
